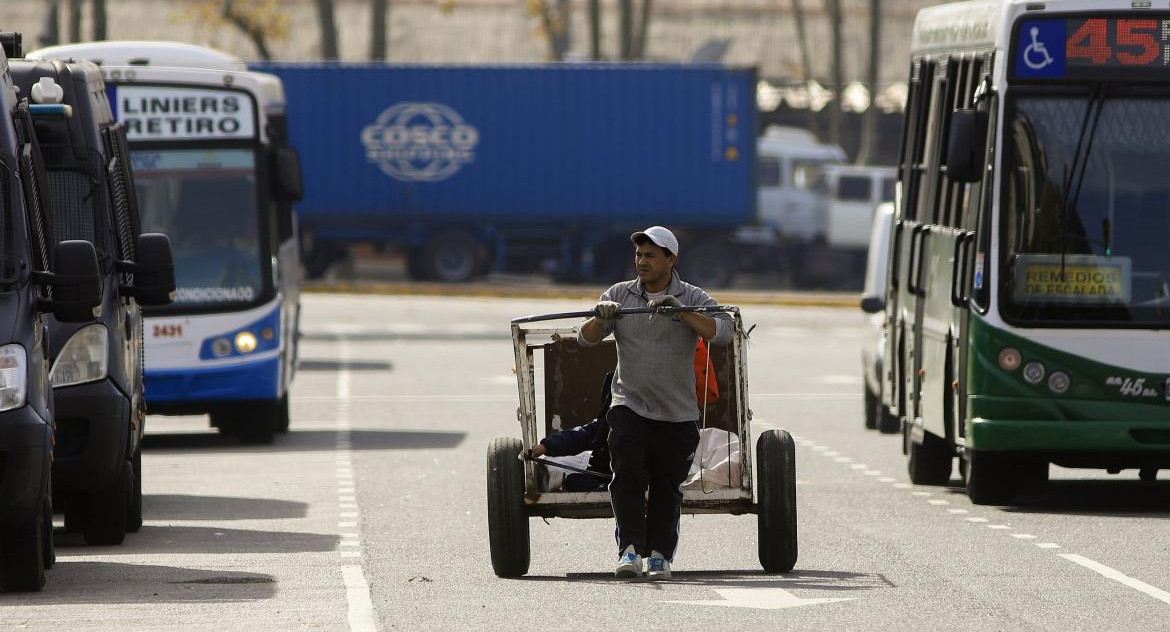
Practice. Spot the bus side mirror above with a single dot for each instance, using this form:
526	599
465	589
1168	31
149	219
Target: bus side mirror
965	146
154	271
872	304
289	186
76	283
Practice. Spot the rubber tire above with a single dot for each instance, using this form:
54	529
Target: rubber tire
776	510
930	462
888	423
446	249
508	534
991	478
1148	474
104	522
134	507
282	416
872	409
709	264
49	554
22	556
258	428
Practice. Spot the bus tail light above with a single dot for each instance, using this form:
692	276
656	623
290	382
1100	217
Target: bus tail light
1009	359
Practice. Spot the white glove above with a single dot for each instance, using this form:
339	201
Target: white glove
665	301
608	310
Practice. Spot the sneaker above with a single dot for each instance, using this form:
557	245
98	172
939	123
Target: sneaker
629	564
657	567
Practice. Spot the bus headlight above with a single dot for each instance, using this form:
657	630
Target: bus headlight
1009	359
84	358
221	347
1034	372
13	376
1059	382
245	342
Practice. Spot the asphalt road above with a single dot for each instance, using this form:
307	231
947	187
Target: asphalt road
370	513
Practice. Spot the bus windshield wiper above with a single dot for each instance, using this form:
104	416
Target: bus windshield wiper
1080	163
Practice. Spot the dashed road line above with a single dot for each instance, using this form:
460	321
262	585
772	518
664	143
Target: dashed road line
357	589
1097	567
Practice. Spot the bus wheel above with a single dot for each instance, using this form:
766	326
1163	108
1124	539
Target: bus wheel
888	422
930	461
22	555
776	512
105	511
282	417
508	535
991	478
1148	474
260	425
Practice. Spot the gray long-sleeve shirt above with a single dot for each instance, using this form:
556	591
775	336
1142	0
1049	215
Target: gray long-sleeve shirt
655	375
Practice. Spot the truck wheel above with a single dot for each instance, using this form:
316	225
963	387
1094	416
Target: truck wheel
106	510
990	478
776	510
507	517
709	265
134	508
451	257
258	425
22	555
930	462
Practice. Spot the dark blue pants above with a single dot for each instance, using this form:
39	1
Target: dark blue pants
648	455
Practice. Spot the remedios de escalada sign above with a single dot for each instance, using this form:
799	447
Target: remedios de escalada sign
420	142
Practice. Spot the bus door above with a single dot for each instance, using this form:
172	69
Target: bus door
920	254
973	219
904	235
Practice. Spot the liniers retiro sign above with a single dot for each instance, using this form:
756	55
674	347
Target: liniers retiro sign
158	113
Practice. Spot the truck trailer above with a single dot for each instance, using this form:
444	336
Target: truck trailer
467	170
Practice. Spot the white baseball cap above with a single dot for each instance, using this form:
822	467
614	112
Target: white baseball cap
659	236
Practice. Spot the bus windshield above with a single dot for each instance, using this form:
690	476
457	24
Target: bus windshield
1086	211
205	201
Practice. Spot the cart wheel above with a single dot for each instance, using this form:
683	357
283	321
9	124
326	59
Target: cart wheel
507	517
776	455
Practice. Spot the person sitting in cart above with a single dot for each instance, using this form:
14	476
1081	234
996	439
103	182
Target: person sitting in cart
653	419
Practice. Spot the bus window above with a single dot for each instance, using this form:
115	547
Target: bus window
1086	236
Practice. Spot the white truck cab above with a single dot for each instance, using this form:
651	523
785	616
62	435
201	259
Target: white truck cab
854	192
792	193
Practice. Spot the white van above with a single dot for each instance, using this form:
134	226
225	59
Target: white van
873	303
792	192
854	192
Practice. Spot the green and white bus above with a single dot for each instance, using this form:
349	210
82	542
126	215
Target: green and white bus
1029	283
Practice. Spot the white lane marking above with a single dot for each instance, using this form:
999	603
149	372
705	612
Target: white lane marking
871	472
976	519
857	466
885	479
902	486
935	501
1118	576
833	453
919	493
958	511
998	526
1023	536
357	590
357	593
1048	545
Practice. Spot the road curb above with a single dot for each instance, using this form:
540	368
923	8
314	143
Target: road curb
589	293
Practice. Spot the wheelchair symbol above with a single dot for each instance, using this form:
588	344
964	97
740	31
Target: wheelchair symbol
1036	54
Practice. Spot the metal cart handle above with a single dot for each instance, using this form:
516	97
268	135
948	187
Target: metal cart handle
702	309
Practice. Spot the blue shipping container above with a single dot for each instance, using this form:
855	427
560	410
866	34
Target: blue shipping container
609	145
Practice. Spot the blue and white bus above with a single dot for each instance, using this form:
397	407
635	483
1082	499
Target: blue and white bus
214	171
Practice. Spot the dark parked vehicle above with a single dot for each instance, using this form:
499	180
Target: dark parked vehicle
38	276
96	373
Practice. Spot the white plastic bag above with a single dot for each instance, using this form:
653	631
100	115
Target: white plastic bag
719	458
